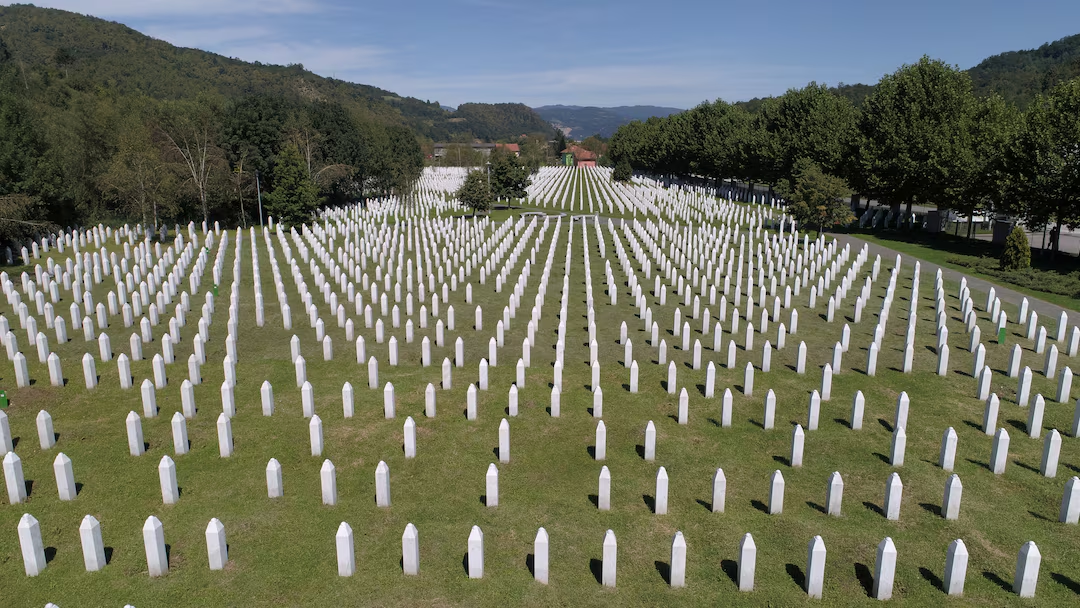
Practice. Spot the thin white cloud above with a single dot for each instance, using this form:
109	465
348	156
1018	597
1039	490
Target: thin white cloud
175	8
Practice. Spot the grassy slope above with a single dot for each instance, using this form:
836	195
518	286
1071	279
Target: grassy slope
282	551
941	257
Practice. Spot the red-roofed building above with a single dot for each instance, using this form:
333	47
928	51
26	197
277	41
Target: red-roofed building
576	156
514	148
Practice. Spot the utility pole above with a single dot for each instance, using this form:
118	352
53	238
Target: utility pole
258	191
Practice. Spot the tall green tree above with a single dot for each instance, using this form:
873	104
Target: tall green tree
915	138
809	123
402	161
817	198
30	177
475	193
295	195
1047	160
136	174
983	178
509	176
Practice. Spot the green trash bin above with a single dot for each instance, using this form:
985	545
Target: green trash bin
3	400
215	290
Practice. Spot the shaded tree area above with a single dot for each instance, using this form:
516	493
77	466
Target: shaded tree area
922	136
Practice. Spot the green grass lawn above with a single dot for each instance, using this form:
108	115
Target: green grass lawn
281	552
948	250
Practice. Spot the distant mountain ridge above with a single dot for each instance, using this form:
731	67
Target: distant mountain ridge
579	122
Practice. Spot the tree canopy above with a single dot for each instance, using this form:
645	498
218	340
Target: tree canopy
475	193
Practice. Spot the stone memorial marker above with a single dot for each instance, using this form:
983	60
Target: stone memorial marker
92	546
475	554
157	560
610	555
217	550
815	568
346	552
884	570
1027	570
776	493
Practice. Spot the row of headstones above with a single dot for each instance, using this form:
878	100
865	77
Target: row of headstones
1028	562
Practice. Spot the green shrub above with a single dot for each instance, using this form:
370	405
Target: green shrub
1017	252
1047	281
623	172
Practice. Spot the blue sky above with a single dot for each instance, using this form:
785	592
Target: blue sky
599	52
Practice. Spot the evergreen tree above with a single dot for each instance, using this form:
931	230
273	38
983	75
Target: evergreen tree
622	172
1017	252
295	195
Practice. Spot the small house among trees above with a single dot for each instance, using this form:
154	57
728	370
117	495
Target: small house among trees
576	156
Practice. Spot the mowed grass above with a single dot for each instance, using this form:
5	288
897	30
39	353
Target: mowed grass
281	551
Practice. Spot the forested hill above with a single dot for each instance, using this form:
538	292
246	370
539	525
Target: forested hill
1019	75
1016	75
95	53
585	121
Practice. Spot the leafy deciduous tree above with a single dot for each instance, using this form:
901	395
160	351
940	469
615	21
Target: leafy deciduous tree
475	193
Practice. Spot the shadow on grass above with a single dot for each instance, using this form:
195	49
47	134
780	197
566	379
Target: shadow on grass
760	506
664	569
1066	582
731	568
872	507
1039	516
997	580
650	502
931	508
530	563
796	575
597	568
815	506
866	578
1024	465
931	578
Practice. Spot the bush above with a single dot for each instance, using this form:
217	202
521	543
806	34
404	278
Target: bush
622	172
1017	252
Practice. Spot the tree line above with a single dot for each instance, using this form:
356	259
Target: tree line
73	154
921	137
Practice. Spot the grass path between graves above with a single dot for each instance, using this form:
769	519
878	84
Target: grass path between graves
940	257
281	551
